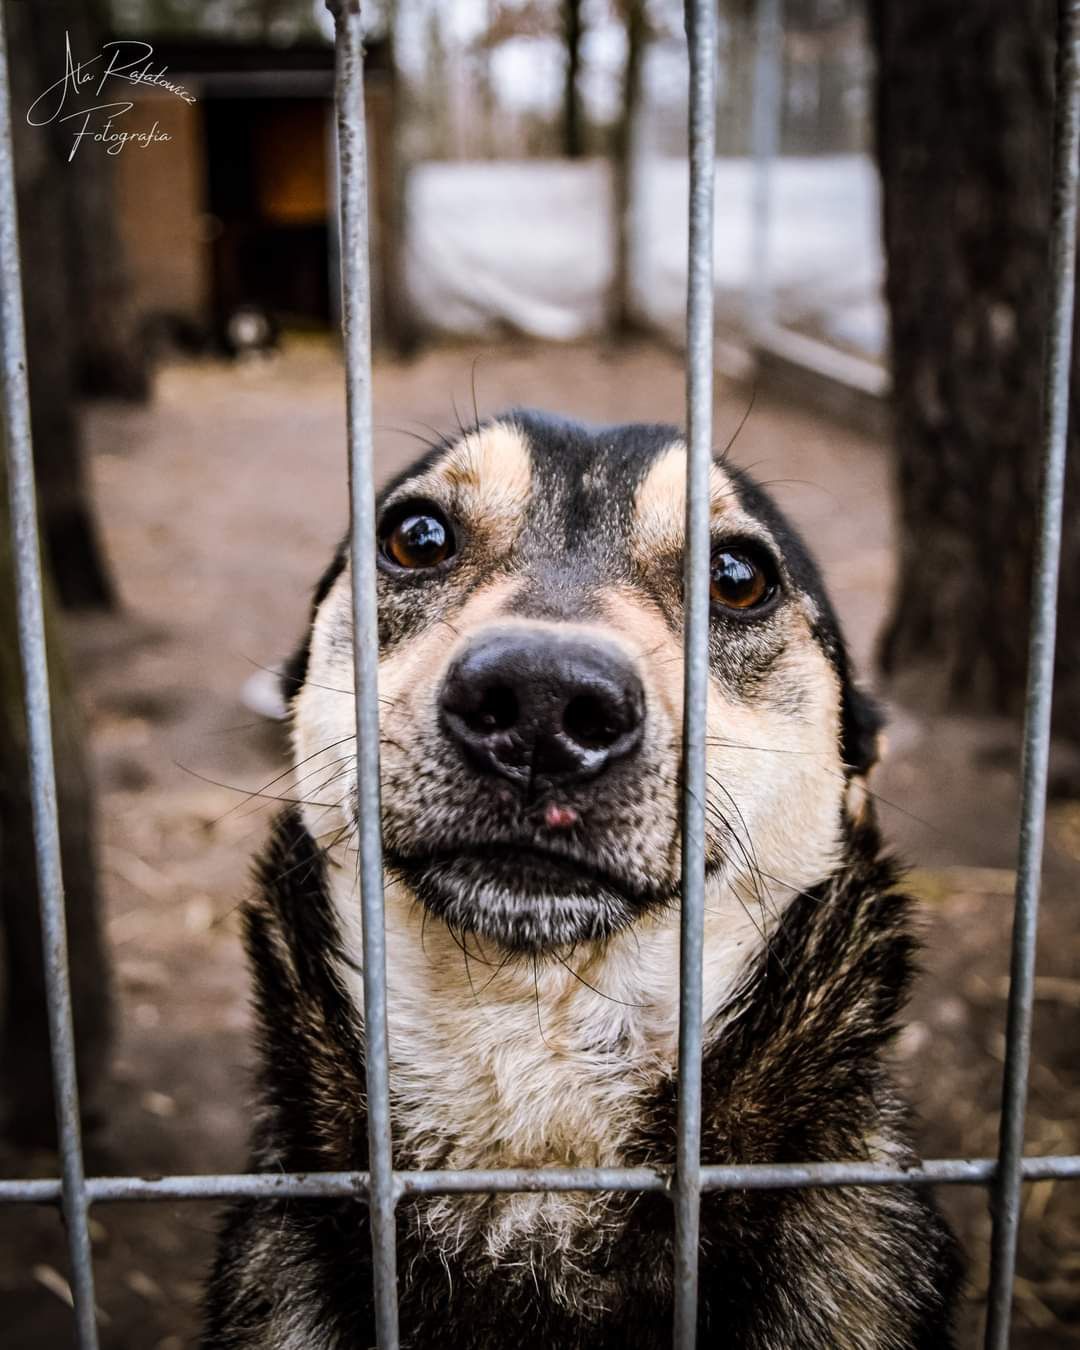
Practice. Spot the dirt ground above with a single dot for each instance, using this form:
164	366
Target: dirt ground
221	501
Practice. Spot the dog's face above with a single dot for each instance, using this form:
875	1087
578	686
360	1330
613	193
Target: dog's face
531	684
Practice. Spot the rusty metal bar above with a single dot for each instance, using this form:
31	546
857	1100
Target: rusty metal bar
701	37
356	313
1040	684
26	556
344	1185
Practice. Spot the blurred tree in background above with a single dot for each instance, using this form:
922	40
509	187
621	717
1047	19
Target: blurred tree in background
964	114
81	329
81	339
621	317
280	21
28	1116
573	129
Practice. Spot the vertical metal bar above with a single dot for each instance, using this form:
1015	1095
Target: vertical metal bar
764	146
31	625
1055	426
356	305
701	35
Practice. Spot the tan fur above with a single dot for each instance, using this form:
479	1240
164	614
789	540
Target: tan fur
486	478
660	502
857	799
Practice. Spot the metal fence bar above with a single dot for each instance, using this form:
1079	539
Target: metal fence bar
522	1179
354	1185
701	37
26	557
356	310
1040	683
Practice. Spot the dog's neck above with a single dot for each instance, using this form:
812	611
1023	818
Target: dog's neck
523	1061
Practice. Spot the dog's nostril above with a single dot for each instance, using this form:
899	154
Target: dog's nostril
497	711
542	708
592	722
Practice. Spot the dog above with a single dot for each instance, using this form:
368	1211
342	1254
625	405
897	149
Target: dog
530	598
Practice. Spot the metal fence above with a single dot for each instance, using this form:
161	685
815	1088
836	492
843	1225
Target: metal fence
382	1186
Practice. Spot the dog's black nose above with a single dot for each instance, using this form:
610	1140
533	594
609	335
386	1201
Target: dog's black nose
536	707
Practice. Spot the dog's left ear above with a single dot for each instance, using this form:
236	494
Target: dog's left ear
861	724
294	671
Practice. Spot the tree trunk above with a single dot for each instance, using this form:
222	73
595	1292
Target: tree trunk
79	326
394	321
573	123
24	1035
110	353
622	319
964	112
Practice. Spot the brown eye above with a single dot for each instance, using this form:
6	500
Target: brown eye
419	538
741	579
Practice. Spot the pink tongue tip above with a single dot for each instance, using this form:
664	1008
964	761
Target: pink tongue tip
559	817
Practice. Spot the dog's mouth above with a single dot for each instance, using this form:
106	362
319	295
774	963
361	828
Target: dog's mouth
524	897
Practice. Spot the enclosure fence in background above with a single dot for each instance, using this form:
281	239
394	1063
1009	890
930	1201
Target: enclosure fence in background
382	1187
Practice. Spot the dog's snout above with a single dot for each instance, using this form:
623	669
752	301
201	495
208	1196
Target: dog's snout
533	706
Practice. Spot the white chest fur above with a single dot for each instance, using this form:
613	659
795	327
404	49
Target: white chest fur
523	1063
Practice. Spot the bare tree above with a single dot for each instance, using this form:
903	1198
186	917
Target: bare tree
573	127
394	321
622	319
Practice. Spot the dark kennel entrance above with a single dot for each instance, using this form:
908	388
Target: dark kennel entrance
270	200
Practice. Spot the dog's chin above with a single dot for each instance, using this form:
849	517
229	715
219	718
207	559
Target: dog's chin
524	900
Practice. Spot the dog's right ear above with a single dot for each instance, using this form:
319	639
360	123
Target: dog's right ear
862	745
294	671
861	725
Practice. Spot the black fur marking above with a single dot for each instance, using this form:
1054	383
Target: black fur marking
294	671
584	480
